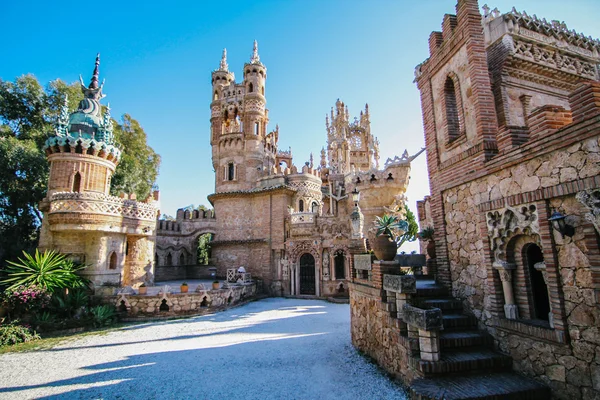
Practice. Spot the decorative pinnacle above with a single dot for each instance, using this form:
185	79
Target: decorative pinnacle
255	59
96	74
223	66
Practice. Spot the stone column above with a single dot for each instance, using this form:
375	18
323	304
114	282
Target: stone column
505	271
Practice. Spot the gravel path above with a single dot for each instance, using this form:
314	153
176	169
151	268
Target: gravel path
269	349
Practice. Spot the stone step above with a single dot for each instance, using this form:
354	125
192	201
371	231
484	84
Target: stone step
492	386
447	305
424	277
455	322
431	290
464	339
463	360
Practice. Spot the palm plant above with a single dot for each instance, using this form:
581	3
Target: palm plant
49	270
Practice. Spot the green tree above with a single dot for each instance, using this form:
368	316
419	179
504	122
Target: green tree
413	229
204	248
138	168
28	112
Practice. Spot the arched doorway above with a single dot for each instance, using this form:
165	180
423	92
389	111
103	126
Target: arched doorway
539	290
307	274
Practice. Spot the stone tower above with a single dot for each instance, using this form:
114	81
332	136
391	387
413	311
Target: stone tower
241	147
113	236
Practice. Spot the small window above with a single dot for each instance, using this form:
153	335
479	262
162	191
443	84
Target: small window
169	260
256	128
340	265
230	172
181	259
216	96
250	87
301	206
314	207
452	110
77	182
262	90
112	263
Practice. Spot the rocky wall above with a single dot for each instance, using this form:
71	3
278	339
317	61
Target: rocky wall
375	333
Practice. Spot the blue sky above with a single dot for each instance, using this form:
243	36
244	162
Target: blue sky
157	58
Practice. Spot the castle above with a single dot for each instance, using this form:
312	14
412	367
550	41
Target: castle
295	229
114	236
511	116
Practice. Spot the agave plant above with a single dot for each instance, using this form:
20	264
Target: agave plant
103	315
389	225
49	270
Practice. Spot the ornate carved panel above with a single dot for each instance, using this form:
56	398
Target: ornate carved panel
591	200
506	223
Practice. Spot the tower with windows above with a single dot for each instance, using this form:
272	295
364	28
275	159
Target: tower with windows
242	150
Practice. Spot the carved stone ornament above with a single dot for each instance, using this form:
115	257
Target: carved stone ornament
591	200
325	264
506	223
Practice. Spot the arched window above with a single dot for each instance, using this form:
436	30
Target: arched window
539	290
169	260
181	259
230	172
112	261
256	128
77	182
216	96
452	110
340	265
262	90
156	259
250	87
301	205
314	207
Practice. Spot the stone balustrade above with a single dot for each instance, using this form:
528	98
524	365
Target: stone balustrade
303	217
100	203
424	325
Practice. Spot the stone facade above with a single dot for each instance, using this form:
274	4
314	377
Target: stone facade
114	236
295	228
511	114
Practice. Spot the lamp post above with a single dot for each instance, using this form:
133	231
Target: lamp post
355	197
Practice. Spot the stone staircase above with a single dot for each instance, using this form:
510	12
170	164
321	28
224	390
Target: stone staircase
468	366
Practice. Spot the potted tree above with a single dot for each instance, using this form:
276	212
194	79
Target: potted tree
142	289
387	229
184	287
427	234
215	285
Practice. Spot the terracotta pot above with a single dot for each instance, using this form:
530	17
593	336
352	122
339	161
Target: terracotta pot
215	285
384	248
184	288
142	290
431	249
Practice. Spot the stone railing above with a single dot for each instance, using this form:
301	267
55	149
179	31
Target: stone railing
100	203
303	217
233	276
424	325
363	266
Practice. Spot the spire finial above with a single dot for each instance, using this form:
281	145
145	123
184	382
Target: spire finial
96	74
255	59
224	66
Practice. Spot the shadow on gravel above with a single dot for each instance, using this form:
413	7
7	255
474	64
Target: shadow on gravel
289	357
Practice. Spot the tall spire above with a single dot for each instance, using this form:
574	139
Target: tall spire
96	74
223	66
255	59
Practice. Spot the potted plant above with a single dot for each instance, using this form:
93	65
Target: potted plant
427	234
387	229
142	289
184	287
215	285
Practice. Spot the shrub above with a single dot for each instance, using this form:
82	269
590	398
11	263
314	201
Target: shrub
70	303
22	299
49	270
103	315
14	333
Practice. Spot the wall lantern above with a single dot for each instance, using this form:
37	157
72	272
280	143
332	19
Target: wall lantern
355	197
558	223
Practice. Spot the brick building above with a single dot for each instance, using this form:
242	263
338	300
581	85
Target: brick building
511	113
113	235
293	228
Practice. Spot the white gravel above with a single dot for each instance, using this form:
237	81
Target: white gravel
270	349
